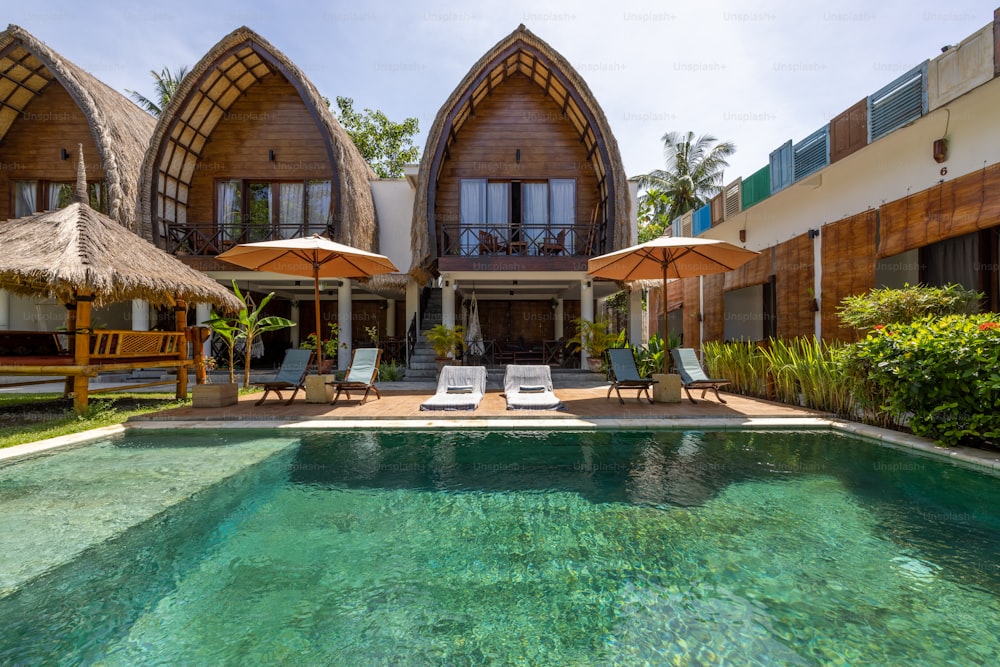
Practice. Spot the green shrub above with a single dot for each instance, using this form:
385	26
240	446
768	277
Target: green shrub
649	357
739	362
888	306
943	375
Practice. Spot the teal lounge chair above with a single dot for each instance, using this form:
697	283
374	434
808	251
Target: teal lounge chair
693	375
625	375
291	375
360	374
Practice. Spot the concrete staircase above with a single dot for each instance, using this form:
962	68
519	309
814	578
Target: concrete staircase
422	367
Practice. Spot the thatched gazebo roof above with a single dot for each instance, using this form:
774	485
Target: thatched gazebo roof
239	61
78	250
120	129
522	52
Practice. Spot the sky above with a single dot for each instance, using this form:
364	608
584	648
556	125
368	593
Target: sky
753	73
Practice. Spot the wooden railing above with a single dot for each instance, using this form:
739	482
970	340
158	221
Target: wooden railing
113	345
207	239
479	240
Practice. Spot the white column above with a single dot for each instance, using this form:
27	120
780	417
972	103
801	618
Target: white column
202	312
345	315
448	303
635	316
586	310
4	310
558	314
140	315
294	314
390	318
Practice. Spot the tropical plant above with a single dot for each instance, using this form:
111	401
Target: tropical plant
939	373
649	357
331	344
911	302
244	327
391	371
595	338
740	362
693	173
165	85
384	144
446	341
653	217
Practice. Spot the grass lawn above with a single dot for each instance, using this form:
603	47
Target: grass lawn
30	417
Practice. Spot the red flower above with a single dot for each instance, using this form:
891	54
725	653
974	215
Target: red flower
988	325
879	327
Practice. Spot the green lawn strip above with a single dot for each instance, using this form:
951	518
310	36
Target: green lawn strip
30	417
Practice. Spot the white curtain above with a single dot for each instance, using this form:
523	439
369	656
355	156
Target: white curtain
290	210
535	208
472	214
24	198
228	214
317	206
60	194
498	209
563	194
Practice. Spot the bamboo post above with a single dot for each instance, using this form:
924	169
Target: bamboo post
81	351
180	324
71	342
197	336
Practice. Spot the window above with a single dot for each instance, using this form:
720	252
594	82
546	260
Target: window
249	211
519	215
34	196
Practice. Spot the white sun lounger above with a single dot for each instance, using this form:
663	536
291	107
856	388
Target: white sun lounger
530	388
459	388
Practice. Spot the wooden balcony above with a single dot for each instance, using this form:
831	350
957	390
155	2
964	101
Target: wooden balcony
505	247
206	239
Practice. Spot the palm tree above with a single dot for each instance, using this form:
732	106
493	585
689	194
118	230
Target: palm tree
166	83
654	205
694	171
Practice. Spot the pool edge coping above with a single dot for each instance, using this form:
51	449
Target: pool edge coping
977	459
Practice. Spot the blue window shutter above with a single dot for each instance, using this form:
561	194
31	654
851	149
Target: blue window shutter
812	153
702	220
897	104
781	167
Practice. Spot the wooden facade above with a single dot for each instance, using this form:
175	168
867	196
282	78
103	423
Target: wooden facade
794	270
33	148
848	254
270	118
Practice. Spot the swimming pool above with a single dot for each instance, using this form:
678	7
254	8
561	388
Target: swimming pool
456	548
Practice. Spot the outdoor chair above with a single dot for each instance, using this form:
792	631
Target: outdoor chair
693	375
360	374
488	244
625	375
291	375
554	246
530	388
458	388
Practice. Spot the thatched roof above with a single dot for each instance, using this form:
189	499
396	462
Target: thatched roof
388	285
120	129
58	253
522	52
239	61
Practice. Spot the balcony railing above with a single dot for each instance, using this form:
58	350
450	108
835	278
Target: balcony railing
208	239
526	240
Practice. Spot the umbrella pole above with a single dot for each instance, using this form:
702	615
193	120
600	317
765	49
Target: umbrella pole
319	327
666	350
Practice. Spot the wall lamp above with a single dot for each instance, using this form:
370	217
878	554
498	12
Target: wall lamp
270	155
517	155
813	233
64	154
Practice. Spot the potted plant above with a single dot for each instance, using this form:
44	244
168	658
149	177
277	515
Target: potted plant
594	338
446	342
330	347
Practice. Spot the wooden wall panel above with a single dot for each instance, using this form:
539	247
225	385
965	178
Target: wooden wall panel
794	272
31	149
269	116
517	115
953	208
849	131
754	272
713	306
848	257
691	293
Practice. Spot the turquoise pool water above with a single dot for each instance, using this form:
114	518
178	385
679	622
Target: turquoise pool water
458	548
